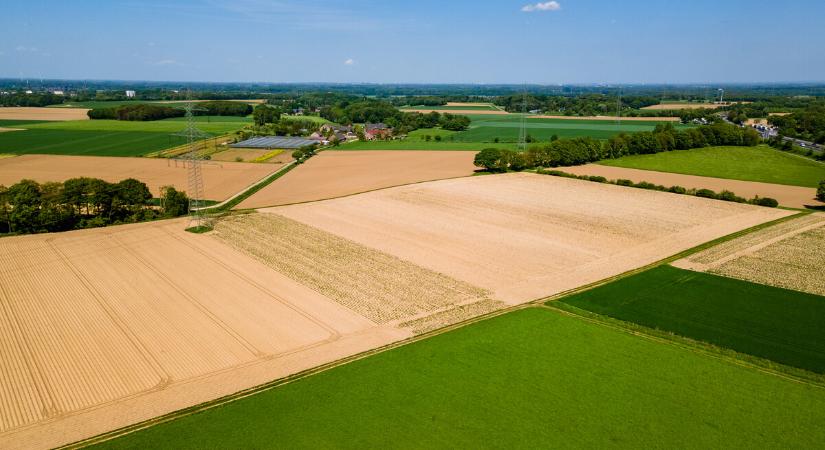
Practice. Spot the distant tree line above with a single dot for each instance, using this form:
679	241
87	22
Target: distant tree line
375	111
34	99
807	124
31	207
571	152
151	111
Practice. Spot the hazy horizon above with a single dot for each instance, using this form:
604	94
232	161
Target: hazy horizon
586	42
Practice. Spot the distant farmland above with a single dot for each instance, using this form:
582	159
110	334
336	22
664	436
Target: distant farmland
107	137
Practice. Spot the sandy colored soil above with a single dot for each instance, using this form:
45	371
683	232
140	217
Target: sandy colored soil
333	174
624	119
5	130
790	196
30	113
787	255
221	179
683	106
526	236
102	328
249	155
458	111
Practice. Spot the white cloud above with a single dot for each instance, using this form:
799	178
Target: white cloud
166	62
349	62
23	48
541	6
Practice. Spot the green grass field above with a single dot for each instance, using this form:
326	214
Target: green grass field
772	323
418	144
14	123
760	163
527	379
108	137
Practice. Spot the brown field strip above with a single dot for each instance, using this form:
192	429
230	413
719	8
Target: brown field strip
790	196
526	236
458	111
787	255
221	180
6	130
33	113
337	173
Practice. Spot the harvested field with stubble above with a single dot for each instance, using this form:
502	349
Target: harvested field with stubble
106	327
376	285
526	236
221	180
789	255
333	174
33	113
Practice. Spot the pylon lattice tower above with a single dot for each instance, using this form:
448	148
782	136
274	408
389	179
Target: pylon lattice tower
192	161
522	132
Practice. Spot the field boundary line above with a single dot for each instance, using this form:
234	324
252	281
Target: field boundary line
254	187
695	346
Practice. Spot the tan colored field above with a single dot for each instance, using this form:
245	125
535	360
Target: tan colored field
458	111
102	328
790	196
526	236
221	180
30	113
787	255
337	173
5	130
249	154
683	106
468	104
623	119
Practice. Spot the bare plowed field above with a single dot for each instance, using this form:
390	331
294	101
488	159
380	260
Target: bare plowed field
790	196
788	255
337	173
526	236
31	113
102	328
221	180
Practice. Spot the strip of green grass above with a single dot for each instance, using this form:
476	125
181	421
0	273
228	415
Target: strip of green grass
208	124
784	326
418	144
760	163
17	123
86	142
531	378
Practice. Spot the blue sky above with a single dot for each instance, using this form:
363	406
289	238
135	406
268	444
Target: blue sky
416	41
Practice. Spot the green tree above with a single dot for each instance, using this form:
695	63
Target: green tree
173	203
489	159
820	191
298	155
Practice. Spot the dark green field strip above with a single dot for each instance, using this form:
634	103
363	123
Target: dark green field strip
784	326
530	378
17	123
86	142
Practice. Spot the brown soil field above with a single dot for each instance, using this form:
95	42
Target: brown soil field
333	174
787	255
624	119
790	196
31	113
458	111
221	180
248	155
5	130
526	236
103	328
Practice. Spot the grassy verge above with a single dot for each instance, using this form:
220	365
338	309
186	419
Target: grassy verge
560	380
776	324
249	192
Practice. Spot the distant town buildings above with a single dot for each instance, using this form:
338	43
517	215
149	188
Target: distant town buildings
130	94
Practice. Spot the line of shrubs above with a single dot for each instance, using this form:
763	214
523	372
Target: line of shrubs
149	111
31	207
572	152
725	195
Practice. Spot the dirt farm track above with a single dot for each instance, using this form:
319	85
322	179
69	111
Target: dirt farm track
106	327
221	180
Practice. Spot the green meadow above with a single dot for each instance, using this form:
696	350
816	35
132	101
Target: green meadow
534	378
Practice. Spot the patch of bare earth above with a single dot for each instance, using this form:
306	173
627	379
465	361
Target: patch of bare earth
790	196
6	130
374	284
788	255
221	180
526	236
33	113
103	328
459	111
333	174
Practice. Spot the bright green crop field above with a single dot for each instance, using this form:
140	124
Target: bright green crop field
534	378
760	163
108	137
772	323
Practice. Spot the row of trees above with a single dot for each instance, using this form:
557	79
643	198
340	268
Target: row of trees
807	124
35	99
375	111
571	152
150	111
31	207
